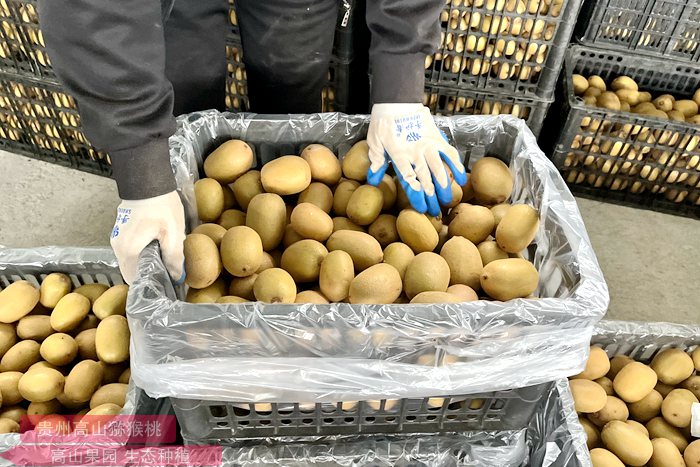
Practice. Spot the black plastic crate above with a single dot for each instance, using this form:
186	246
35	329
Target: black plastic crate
82	266
207	421
13	135
667	28
236	79
22	48
233	20
629	158
47	125
13	53
450	101
330	346
503	45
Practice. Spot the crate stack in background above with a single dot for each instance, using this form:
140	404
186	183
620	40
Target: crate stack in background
495	57
499	57
37	118
640	157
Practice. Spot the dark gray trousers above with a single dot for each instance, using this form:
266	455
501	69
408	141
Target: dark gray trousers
287	47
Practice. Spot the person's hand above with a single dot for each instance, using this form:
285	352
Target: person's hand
406	135
139	222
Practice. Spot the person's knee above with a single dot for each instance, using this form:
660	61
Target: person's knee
288	68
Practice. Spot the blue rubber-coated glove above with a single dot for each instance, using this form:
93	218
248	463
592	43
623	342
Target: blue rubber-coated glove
406	135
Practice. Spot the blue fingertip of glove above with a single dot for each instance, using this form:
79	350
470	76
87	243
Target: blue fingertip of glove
444	194
375	178
416	198
459	174
460	177
434	205
183	277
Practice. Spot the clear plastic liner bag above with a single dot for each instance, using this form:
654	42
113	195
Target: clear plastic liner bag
255	352
83	266
555	437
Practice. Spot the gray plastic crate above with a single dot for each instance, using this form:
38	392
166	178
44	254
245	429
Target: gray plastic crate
629	158
642	341
449	101
229	422
340	352
661	28
83	266
503	45
549	437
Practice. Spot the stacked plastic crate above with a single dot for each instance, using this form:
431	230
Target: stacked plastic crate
488	371
335	94
634	158
636	340
499	57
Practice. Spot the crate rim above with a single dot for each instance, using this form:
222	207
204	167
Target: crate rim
637	201
489	93
534	121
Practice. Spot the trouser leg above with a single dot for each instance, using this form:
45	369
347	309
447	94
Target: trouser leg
287	47
195	42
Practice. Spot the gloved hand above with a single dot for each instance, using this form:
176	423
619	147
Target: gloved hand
406	134
139	222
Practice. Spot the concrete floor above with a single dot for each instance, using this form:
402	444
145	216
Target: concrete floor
651	261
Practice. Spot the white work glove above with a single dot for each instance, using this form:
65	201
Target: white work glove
139	222
406	135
